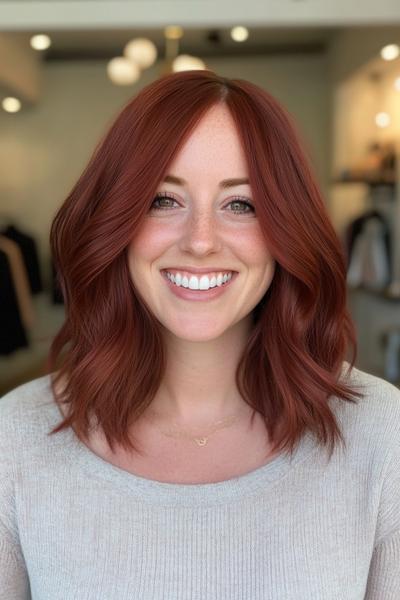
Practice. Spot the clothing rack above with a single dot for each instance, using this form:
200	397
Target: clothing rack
20	280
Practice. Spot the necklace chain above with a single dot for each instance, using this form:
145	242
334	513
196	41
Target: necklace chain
202	440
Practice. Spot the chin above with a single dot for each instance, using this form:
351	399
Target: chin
196	332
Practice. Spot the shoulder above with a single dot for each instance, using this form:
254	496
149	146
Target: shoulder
372	432
25	411
27	396
374	416
25	415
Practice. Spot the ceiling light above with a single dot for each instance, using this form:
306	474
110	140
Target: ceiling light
382	119
141	51
122	71
173	32
239	34
40	42
11	104
390	52
185	62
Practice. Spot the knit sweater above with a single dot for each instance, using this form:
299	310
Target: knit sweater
300	527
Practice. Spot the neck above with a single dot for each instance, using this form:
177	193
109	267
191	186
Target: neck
198	387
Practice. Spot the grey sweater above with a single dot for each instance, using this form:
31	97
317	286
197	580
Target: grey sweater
75	527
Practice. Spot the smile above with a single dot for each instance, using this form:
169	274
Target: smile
199	288
203	282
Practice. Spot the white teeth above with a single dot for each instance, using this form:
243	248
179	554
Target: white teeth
194	283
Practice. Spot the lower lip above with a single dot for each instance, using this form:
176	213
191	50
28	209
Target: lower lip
187	294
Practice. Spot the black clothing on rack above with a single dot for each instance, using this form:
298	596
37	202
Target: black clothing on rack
12	331
29	253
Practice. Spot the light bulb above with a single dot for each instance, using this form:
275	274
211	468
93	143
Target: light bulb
185	62
122	71
141	51
382	119
11	104
390	52
40	41
239	34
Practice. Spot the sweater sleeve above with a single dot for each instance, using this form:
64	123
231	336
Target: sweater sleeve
13	577
384	573
14	582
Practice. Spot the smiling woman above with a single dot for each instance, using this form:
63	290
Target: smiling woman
199	171
201	375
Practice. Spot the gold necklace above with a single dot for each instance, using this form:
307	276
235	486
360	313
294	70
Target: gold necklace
200	441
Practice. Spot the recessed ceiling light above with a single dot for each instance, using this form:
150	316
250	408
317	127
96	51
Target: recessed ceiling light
11	104
239	33
382	119
390	52
40	41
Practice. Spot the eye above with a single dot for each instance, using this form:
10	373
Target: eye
163	196
167	200
245	203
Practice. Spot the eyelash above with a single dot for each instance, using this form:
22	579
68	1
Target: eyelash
235	199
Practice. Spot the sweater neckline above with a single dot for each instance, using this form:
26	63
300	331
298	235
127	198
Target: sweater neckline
163	493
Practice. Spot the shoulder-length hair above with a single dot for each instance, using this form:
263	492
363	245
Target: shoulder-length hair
115	359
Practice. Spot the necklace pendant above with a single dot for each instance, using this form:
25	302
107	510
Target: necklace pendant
201	441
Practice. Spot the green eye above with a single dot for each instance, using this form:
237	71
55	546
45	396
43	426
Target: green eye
243	202
162	197
170	199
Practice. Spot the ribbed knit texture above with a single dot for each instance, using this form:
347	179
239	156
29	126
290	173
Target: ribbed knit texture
75	527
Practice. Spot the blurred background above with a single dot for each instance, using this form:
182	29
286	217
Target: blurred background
67	68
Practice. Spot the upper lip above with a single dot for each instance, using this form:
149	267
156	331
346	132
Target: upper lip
199	270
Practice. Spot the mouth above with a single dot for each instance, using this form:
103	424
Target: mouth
166	273
198	294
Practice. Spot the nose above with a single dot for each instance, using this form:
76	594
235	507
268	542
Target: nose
200	234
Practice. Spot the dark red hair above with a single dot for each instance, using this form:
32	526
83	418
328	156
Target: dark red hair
114	358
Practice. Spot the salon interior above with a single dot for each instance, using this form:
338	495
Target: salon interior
67	68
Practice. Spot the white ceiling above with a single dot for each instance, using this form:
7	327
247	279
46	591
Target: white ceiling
94	14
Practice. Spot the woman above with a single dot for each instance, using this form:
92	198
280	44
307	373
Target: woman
201	376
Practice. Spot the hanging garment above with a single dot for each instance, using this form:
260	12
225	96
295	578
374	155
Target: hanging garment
369	266
369	258
20	279
12	332
355	228
29	252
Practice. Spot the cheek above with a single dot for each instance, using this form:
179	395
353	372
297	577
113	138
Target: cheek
149	243
253	248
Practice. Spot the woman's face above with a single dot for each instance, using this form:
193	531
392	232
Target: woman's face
202	224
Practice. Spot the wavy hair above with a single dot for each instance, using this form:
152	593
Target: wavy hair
110	351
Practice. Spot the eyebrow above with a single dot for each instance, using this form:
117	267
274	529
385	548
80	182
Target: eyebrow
225	183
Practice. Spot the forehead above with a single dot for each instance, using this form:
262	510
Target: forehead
214	146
